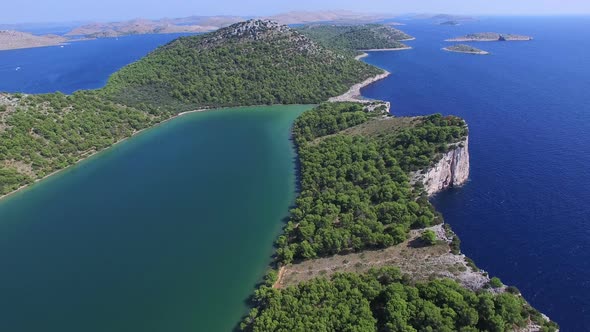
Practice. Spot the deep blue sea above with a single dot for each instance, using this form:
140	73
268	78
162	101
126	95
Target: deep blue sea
524	216
76	66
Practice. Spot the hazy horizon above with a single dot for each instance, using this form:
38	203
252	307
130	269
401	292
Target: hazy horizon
66	11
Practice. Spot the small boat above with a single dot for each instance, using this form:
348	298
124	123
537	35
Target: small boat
17	68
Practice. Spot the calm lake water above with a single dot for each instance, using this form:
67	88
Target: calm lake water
168	231
525	214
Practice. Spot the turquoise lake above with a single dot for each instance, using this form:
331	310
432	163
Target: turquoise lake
168	231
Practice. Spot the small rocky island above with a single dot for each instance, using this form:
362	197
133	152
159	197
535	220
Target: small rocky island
462	48
489	36
452	23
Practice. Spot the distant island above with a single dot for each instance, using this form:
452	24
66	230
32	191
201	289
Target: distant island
441	18
489	36
192	24
449	23
462	48
10	40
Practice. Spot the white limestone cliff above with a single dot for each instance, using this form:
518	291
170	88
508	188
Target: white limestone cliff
452	170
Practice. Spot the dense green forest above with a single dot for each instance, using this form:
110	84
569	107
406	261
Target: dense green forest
355	37
384	300
45	133
355	192
355	195
250	63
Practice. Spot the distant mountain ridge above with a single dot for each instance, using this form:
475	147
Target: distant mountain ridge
211	23
332	16
144	26
10	40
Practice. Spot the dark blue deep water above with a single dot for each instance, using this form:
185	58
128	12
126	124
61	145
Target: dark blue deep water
525	214
76	66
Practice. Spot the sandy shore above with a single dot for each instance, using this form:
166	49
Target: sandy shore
99	151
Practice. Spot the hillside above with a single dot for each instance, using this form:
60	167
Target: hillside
10	40
249	63
356	37
255	62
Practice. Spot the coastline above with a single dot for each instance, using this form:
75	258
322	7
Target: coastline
354	93
85	157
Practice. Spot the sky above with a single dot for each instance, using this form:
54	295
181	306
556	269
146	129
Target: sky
36	11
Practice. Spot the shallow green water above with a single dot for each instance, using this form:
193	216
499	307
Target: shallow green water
166	232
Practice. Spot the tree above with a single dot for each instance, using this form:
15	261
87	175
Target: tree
495	282
428	237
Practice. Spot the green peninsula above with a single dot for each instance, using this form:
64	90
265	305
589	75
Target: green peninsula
338	267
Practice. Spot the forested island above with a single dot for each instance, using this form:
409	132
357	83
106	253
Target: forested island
462	48
489	36
356	201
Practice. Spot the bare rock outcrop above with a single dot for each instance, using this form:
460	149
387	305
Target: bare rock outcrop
452	170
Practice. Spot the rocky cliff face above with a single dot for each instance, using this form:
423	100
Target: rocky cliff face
451	170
